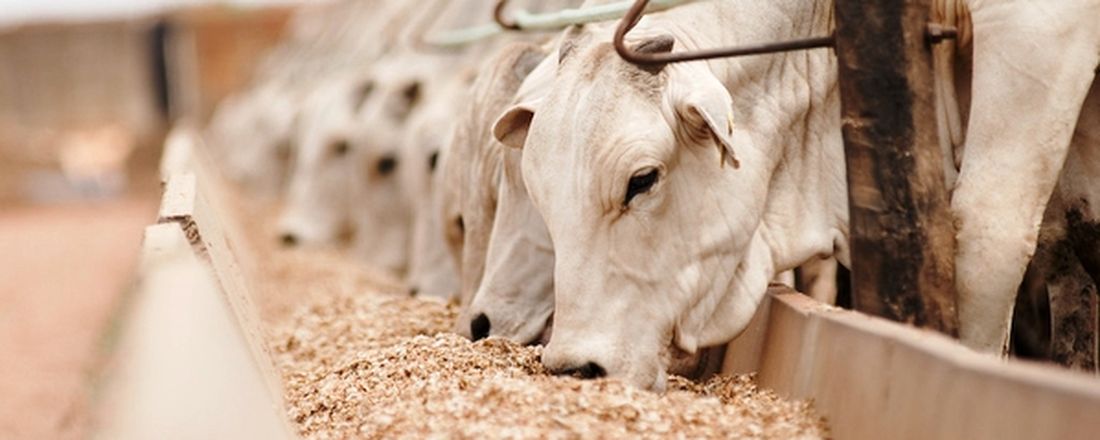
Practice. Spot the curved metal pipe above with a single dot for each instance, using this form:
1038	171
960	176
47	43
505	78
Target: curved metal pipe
498	16
634	14
935	33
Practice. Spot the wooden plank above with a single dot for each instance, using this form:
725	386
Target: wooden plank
902	237
188	203
194	200
874	378
182	368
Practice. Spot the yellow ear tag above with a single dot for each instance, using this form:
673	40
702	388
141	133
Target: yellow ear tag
724	155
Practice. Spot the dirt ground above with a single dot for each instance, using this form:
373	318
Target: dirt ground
62	270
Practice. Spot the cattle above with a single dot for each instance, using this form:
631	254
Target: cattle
432	272
513	297
473	171
673	194
429	136
319	198
368	194
997	214
252	133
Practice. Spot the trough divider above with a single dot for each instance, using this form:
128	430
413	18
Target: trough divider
873	378
181	364
194	199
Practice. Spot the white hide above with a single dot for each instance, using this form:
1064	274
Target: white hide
251	135
516	294
513	286
382	210
1024	105
432	272
320	194
687	261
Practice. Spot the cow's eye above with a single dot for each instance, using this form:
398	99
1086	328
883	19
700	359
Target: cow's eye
433	160
460	224
386	165
339	148
284	151
640	183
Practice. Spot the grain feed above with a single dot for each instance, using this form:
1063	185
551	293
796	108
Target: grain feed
360	361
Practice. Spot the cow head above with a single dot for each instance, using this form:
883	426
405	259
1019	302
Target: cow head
471	166
253	132
432	272
317	210
383	210
516	298
499	238
653	199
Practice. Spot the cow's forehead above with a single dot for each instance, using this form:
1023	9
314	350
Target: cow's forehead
599	63
601	104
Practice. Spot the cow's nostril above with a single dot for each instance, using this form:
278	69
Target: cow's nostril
479	327
591	370
414	291
289	240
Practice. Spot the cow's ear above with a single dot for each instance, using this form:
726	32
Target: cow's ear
511	128
361	94
527	60
708	111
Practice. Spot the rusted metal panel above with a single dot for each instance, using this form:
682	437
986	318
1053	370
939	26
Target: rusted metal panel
902	236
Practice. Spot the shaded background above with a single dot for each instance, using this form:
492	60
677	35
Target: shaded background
87	91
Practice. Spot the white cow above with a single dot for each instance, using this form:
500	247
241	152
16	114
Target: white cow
384	214
252	132
475	199
355	179
997	213
514	298
320	194
432	272
673	195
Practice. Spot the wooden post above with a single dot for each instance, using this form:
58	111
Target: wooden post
902	236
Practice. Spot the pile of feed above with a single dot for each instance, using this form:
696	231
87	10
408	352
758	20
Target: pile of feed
360	360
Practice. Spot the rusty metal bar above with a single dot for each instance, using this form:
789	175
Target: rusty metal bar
635	14
498	16
934	33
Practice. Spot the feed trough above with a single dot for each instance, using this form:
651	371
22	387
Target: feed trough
340	353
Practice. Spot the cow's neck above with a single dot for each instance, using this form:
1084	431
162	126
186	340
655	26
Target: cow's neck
788	105
791	102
